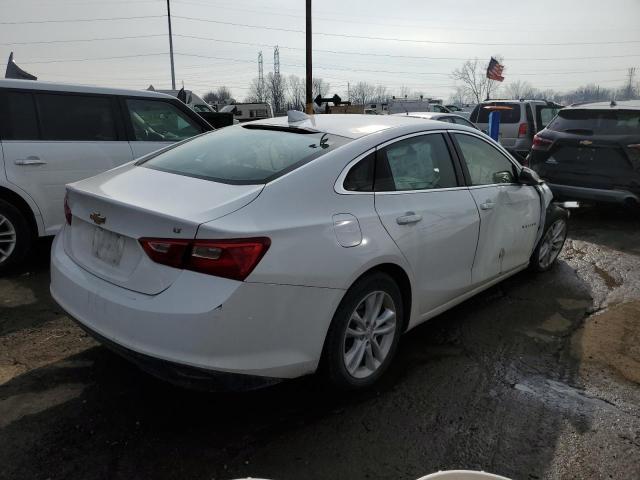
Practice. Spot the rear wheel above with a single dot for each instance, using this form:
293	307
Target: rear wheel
15	236
364	333
552	241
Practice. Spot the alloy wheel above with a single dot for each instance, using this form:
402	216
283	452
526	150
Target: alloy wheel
7	238
552	243
369	335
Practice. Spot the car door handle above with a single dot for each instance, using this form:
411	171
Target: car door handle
30	160
488	205
409	218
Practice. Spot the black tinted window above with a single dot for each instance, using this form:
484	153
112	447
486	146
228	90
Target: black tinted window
418	163
360	177
76	117
21	121
244	155
481	114
606	122
158	121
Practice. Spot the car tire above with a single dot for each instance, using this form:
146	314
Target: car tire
16	237
552	240
364	333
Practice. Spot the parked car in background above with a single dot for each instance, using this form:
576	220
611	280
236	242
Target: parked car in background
194	102
53	134
247	112
273	249
441	117
517	125
591	152
464	110
404	105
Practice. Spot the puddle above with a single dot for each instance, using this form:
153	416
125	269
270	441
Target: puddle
556	323
612	338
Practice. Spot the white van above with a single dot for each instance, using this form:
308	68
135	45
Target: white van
53	134
246	112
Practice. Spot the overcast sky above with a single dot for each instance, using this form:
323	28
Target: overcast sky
520	31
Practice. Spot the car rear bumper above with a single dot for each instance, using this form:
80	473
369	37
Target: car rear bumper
200	321
594	194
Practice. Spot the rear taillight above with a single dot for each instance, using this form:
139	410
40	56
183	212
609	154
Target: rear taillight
67	210
522	130
233	258
541	143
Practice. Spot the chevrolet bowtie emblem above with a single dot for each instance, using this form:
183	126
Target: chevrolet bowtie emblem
97	218
585	142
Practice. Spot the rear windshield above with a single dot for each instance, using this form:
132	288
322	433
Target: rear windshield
481	114
248	154
587	121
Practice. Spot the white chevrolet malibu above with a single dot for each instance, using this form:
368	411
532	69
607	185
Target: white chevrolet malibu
274	249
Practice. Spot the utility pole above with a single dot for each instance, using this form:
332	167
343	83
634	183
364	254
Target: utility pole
631	73
260	78
173	72
309	99
275	89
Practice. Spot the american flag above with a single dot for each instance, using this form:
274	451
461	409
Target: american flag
494	70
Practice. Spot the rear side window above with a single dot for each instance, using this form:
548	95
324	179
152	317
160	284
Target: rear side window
76	117
21	120
245	154
360	177
416	163
545	115
158	121
481	114
604	122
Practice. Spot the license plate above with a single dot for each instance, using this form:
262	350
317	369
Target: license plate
107	246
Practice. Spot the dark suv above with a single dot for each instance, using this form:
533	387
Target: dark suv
591	152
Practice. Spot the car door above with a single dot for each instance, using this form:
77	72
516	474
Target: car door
430	215
509	211
64	137
157	123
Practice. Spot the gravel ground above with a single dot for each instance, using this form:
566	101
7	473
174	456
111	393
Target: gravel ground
535	378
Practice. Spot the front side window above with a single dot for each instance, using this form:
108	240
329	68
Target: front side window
158	121
249	154
486	165
22	122
76	117
416	163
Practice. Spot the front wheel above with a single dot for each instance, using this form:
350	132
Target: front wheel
364	333
552	241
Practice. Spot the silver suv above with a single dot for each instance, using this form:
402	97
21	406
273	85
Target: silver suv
518	125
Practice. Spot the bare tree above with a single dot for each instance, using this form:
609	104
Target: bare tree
459	96
296	93
362	93
221	95
381	94
405	92
276	88
320	87
629	91
474	80
520	89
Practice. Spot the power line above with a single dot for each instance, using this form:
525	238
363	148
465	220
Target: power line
79	40
93	58
408	40
30	22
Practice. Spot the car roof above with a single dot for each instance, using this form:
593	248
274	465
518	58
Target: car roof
513	100
619	105
425	115
64	87
350	125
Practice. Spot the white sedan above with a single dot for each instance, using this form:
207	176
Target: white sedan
274	249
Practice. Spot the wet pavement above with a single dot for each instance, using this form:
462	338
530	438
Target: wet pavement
538	377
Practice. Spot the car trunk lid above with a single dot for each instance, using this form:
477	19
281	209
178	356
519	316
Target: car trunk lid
112	211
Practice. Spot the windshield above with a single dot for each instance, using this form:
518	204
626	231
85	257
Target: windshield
245	155
612	122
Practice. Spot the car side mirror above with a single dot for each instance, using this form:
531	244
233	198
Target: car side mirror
528	177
